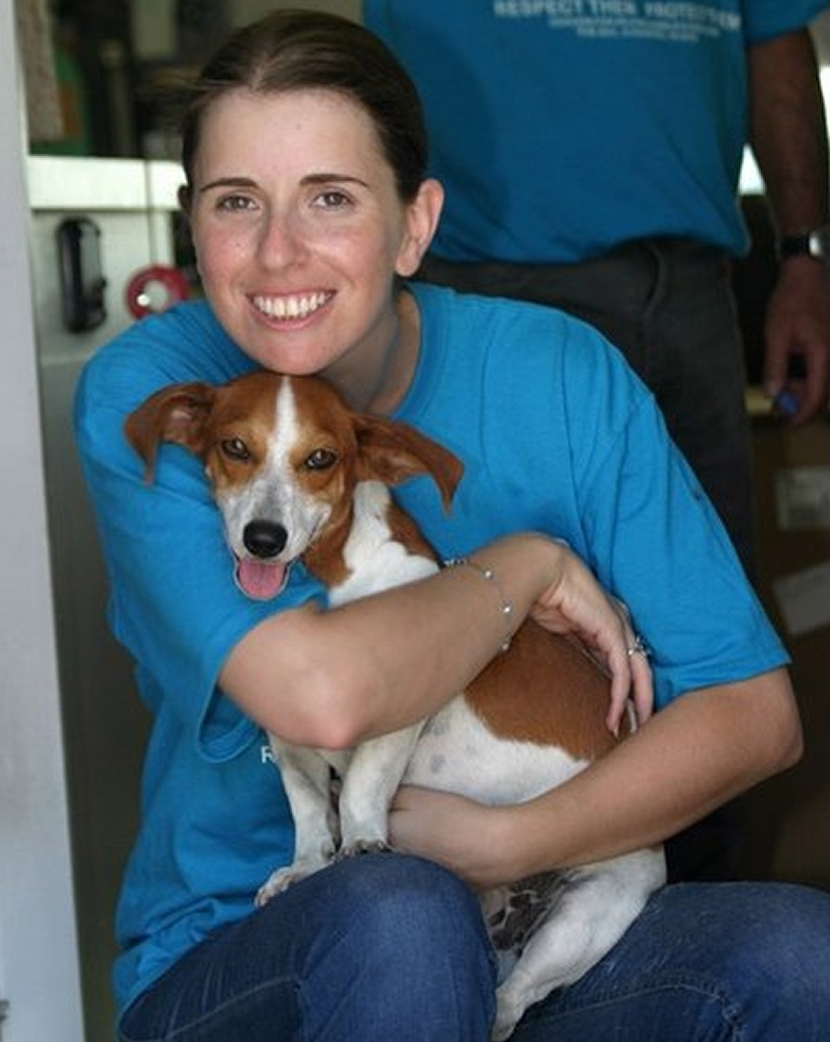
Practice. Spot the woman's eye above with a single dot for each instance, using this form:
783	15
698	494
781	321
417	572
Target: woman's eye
235	203
321	459
235	448
333	199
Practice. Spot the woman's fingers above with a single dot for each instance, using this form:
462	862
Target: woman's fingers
579	605
631	679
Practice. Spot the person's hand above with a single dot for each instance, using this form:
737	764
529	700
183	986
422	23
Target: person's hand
798	328
457	832
576	604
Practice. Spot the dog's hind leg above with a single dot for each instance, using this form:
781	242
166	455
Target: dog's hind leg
598	905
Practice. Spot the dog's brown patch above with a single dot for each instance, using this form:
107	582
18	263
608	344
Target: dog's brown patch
546	690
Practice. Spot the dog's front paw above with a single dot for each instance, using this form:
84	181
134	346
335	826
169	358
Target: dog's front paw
362	846
282	879
276	883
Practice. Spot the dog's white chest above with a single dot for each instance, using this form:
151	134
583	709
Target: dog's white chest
375	559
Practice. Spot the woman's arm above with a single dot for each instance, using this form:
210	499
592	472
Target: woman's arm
332	679
703	749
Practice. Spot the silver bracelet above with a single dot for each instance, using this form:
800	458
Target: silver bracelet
506	606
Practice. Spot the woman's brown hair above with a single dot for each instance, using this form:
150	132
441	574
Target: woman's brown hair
305	50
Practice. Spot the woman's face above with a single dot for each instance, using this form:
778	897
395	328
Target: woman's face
299	230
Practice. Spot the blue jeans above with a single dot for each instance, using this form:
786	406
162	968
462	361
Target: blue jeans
386	947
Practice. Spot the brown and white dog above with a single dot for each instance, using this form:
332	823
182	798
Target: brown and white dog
296	473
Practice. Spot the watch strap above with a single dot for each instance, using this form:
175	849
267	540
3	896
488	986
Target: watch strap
815	243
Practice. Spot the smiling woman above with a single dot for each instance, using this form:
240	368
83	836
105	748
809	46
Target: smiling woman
310	205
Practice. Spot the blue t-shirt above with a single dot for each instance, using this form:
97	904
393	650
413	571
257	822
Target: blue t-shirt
556	434
562	128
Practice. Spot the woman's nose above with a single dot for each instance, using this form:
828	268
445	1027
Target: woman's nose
281	241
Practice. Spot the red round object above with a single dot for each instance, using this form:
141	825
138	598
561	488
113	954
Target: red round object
139	296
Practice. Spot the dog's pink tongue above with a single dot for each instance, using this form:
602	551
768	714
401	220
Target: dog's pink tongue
260	580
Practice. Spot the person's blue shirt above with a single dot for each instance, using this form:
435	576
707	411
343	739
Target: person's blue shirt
556	434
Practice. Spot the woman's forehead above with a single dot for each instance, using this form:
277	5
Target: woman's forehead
299	135
287	109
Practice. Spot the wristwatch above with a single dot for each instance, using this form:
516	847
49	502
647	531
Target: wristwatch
811	244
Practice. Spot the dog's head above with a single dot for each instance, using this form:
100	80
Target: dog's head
283	455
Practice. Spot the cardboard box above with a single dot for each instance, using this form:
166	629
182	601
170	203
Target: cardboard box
788	818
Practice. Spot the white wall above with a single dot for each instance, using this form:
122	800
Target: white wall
38	951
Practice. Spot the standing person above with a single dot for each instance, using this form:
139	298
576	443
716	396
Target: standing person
590	155
305	161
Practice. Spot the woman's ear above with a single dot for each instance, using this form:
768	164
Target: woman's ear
183	197
421	220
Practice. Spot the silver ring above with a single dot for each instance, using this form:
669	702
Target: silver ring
639	647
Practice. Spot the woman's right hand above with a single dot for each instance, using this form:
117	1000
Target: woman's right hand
575	603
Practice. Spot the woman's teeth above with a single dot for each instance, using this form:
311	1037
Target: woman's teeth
292	307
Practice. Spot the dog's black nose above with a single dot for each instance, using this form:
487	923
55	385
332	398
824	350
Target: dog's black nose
264	538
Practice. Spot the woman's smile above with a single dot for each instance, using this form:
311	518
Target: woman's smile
292	308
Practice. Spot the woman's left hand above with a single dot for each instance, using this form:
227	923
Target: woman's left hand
459	833
576	604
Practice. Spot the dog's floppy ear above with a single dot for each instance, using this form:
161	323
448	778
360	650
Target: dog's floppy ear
177	413
391	451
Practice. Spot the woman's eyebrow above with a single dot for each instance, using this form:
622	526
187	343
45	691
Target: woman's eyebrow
227	182
310	179
326	178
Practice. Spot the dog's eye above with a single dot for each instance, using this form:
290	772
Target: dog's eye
321	459
235	448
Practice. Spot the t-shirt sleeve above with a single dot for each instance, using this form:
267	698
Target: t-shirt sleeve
655	539
766	19
564	438
173	602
